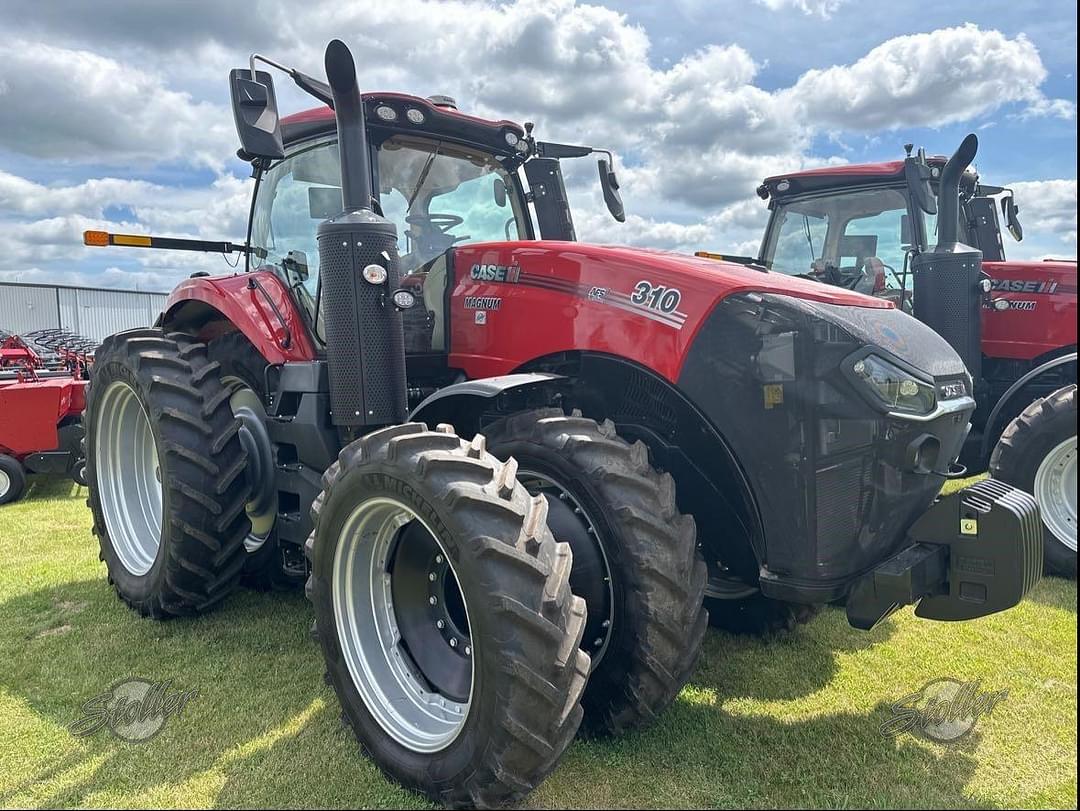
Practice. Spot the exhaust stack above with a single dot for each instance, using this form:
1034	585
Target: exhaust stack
358	270
948	295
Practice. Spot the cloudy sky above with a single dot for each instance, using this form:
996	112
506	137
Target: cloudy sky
114	114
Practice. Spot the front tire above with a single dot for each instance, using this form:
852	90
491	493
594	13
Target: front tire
1037	453
444	612
653	601
165	473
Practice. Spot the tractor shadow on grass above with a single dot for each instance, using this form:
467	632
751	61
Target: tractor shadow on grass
721	744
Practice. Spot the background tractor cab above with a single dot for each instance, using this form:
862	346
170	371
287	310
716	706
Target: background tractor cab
872	228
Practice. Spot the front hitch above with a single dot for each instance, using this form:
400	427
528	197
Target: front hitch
973	553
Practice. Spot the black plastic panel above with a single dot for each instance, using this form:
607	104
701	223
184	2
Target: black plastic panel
834	479
364	341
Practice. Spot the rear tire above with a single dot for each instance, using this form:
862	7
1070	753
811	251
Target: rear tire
1037	453
242	363
165	472
649	550
12	479
517	615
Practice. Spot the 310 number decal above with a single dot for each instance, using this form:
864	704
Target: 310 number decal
656	296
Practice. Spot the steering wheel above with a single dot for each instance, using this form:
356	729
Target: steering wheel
444	222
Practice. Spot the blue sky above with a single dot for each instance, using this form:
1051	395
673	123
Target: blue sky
116	115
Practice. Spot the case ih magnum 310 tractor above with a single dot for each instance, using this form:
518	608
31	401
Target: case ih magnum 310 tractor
867	227
633	431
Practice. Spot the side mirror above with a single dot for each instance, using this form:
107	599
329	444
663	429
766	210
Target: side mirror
255	111
917	176
610	184
500	193
1010	210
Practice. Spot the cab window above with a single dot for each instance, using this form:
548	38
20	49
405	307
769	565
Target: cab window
295	195
855	239
440	195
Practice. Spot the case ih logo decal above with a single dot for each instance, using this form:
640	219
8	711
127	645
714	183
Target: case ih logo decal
1021	286
496	273
482	303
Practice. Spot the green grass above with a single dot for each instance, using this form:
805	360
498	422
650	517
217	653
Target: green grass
790	722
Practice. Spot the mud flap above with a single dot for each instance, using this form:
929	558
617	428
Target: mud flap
973	553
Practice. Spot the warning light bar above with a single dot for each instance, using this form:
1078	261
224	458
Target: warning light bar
102	239
724	257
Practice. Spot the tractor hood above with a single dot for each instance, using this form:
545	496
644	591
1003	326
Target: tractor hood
625	264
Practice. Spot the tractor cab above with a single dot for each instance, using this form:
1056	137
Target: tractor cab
442	177
858	226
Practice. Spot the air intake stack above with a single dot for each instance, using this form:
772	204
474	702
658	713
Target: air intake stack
948	295
358	270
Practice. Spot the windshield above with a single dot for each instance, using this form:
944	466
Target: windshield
439	195
854	239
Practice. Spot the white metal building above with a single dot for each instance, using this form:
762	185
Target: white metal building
92	312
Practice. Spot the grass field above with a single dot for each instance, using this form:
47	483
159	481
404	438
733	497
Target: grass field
788	722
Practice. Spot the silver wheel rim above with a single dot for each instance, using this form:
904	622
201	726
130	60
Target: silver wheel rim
128	478
5	483
382	670
1055	490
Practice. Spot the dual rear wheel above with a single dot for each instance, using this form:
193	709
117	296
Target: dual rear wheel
445	607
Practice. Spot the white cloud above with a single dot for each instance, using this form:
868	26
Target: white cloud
82	107
821	8
948	75
1048	214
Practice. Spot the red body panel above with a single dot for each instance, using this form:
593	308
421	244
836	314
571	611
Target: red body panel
31	411
568	296
280	339
327	115
1043	314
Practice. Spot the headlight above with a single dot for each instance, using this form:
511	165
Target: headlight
895	388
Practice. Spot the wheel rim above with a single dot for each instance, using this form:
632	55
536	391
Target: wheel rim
591	574
1055	490
392	581
5	483
261	510
128	478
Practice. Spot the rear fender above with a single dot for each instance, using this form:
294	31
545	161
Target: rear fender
258	304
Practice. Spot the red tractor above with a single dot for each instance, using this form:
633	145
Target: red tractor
867	227
634	432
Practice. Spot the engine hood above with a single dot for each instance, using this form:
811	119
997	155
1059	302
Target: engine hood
725	277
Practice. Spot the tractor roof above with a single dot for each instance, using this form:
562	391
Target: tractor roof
824	178
399	113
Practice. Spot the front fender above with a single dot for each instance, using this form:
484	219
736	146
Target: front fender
258	304
461	403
